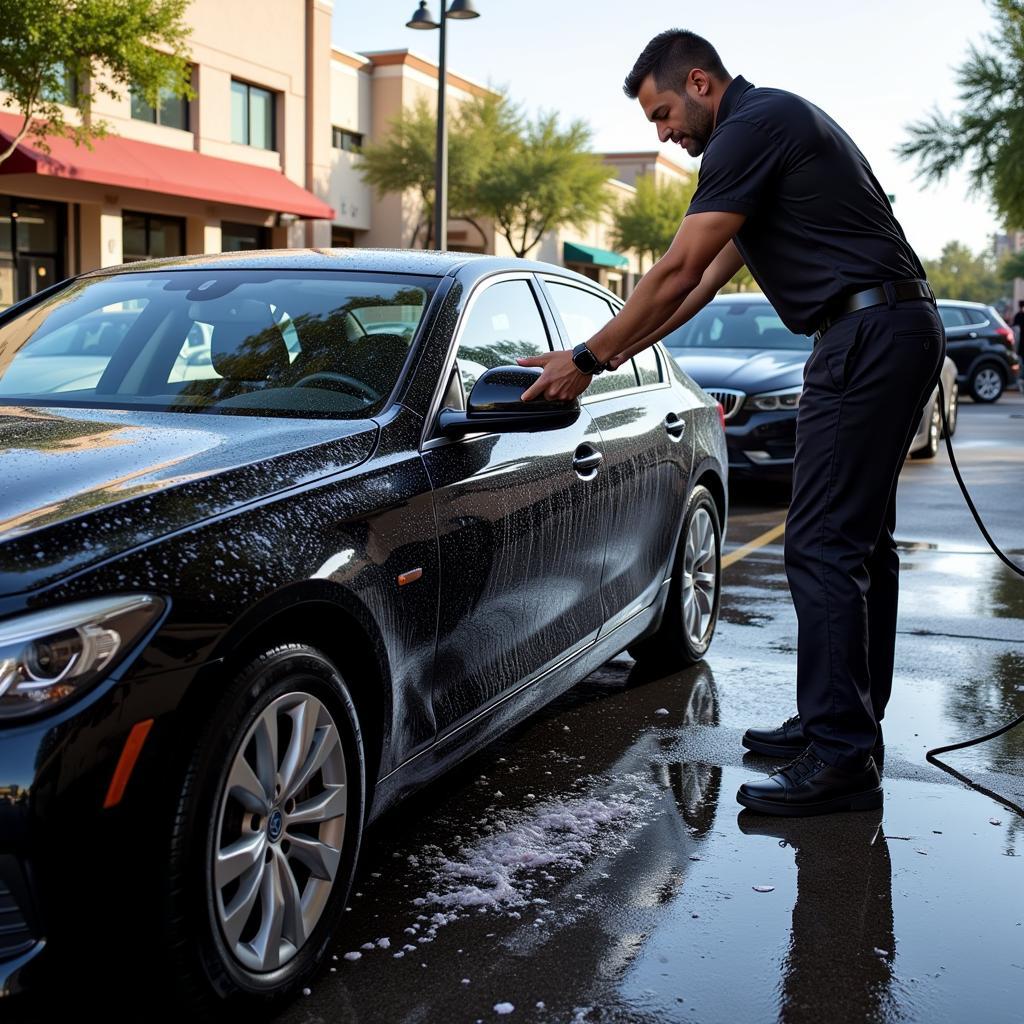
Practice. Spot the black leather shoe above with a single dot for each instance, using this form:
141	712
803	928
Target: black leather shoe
810	786
787	740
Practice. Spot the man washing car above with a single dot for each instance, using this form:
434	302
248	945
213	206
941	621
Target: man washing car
784	190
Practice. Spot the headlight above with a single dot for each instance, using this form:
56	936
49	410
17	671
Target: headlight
770	401
48	657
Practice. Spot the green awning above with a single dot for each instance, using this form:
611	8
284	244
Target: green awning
573	252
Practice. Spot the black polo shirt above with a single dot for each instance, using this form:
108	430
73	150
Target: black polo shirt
818	224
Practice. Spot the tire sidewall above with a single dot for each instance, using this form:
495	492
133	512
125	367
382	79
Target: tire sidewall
700	498
290	669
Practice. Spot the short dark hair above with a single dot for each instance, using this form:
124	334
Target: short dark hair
670	56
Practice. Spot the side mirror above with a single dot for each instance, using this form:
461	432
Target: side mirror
496	404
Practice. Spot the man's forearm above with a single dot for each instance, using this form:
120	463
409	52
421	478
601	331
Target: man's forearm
654	301
719	272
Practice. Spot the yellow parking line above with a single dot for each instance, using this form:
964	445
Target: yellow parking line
758	542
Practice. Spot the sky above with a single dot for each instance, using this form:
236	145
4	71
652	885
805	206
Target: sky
873	65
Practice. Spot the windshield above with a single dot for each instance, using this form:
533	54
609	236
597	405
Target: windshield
257	343
736	325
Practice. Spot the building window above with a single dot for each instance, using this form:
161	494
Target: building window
145	236
67	91
342	238
342	138
31	247
172	111
252	115
235	237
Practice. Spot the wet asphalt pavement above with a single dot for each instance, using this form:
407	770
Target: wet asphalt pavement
593	866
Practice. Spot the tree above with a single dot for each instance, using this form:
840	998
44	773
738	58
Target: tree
53	53
478	131
650	218
546	179
960	274
989	128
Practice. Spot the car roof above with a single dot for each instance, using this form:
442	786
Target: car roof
963	303
425	263
733	298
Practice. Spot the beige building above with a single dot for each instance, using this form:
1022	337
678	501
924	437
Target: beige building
242	165
265	155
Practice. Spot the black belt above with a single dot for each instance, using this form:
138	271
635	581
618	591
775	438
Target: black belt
902	291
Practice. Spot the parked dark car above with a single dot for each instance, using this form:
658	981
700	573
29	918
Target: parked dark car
743	355
252	598
981	344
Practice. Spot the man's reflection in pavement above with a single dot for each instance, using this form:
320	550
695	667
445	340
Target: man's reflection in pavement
841	949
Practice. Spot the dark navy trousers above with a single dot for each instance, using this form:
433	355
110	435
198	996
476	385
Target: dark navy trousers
865	387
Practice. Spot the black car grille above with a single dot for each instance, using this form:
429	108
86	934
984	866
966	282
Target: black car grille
16	933
731	401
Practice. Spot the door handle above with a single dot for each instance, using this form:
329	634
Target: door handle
972	334
587	461
674	426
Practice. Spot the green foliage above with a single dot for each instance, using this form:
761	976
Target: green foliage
1012	267
101	46
546	179
988	130
478	131
960	274
527	178
742	281
650	218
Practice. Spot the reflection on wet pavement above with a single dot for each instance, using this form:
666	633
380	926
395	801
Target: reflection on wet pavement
681	908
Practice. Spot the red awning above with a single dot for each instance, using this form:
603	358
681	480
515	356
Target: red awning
127	163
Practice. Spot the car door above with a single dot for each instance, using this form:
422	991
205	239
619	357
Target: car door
520	541
647	449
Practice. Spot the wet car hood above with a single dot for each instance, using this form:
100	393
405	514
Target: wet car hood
80	485
751	370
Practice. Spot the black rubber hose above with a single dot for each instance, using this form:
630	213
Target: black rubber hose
931	755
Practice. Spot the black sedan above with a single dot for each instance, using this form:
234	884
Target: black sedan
291	548
742	354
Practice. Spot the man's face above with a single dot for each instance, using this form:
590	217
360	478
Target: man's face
686	118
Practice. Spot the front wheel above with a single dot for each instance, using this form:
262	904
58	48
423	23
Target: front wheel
267	833
691	613
931	446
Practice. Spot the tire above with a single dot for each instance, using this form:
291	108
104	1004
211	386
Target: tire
931	446
223	961
952	411
691	611
987	383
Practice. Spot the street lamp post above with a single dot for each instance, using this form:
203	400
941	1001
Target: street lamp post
423	19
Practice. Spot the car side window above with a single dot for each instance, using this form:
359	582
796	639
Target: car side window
503	325
583	314
648	366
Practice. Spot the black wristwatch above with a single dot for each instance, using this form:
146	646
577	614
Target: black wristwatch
585	360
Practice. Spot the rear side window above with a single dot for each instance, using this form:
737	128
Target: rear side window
503	325
583	314
647	366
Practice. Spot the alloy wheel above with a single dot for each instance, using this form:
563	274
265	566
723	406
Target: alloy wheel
280	832
699	576
988	384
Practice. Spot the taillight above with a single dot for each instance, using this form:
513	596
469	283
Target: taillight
1006	336
721	414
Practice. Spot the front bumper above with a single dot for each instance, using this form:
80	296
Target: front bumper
21	939
762	445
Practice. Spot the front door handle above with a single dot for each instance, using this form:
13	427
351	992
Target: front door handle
587	461
972	334
674	426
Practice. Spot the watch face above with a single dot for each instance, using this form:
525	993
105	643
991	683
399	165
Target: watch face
584	359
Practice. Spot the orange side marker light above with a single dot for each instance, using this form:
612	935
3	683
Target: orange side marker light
126	763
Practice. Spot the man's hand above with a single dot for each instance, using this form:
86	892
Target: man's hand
560	381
